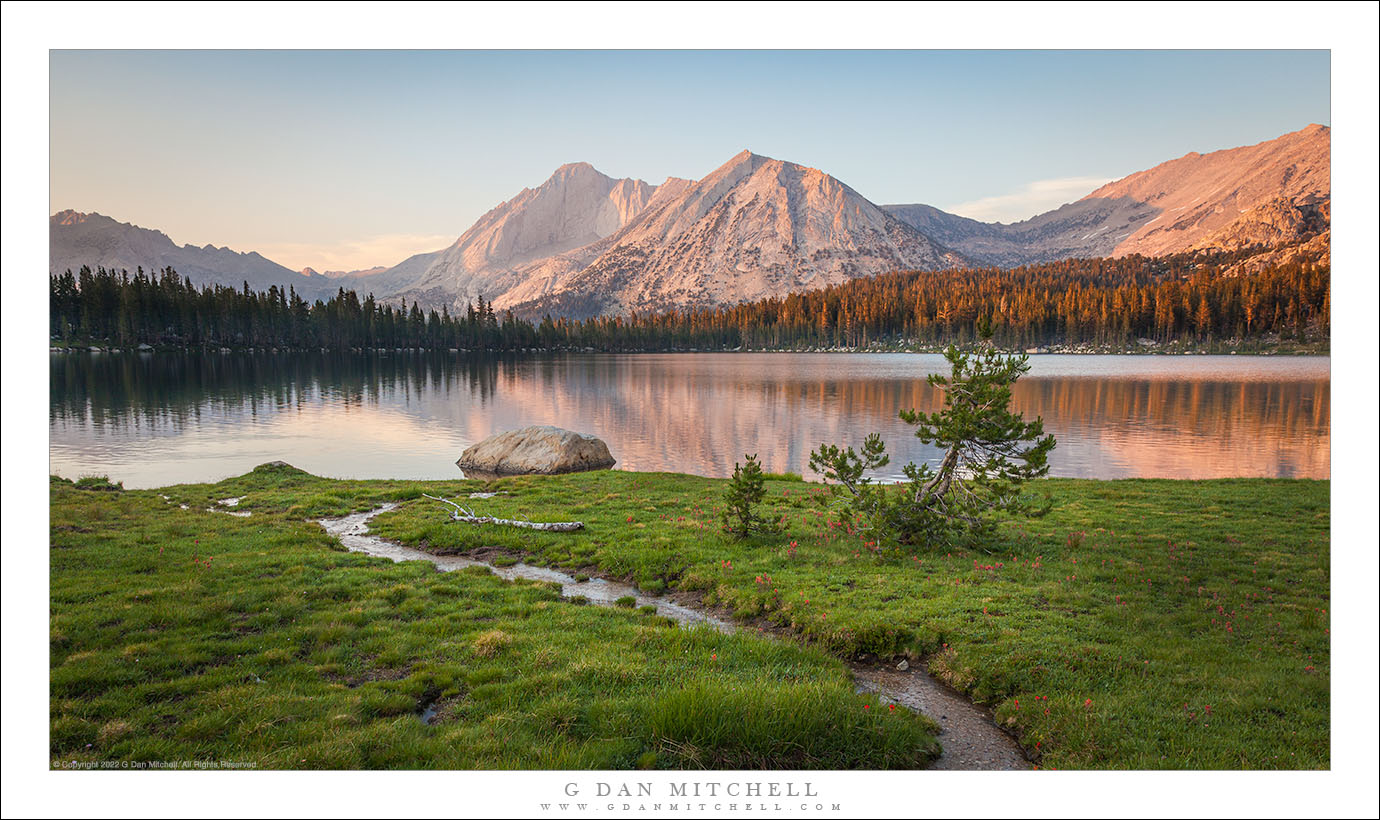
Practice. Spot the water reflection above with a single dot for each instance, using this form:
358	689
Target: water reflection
155	419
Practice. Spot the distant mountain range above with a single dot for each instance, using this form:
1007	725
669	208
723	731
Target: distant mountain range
1259	195
584	244
754	227
344	274
76	239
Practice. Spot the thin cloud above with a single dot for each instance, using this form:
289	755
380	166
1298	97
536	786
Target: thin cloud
1033	198
383	250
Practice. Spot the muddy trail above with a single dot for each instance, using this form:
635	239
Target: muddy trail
971	740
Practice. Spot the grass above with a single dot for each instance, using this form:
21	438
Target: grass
189	635
1142	624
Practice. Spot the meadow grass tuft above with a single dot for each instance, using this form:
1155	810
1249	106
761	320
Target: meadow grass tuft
490	644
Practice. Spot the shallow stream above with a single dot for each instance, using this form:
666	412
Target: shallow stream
970	739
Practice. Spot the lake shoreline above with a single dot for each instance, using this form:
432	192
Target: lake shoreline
1323	350
177	417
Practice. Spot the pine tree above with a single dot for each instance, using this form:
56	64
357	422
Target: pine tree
745	492
989	452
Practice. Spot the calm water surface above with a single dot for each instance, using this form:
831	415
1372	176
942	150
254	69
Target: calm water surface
154	419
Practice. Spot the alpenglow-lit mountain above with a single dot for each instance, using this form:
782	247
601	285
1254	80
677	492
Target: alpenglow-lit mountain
576	207
77	239
584	244
1262	195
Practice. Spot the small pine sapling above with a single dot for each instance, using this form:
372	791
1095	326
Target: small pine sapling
745	492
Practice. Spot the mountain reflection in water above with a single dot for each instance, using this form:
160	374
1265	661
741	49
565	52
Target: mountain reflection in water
153	419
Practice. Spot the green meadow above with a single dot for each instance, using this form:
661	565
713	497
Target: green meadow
1142	624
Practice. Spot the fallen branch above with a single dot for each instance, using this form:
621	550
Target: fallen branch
465	515
552	526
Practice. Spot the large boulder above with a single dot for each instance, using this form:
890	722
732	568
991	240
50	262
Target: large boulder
535	450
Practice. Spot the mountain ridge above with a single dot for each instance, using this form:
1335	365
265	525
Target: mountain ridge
1164	209
582	243
749	228
78	238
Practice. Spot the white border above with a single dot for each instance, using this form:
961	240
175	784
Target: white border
29	30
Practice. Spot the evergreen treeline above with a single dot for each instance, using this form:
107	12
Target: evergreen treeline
1105	303
167	309
1097	302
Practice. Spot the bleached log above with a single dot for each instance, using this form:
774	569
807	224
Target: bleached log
465	515
550	526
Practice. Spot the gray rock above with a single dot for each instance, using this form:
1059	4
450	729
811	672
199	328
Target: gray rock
903	665
537	450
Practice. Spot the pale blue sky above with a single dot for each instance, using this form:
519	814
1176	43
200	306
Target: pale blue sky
349	159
